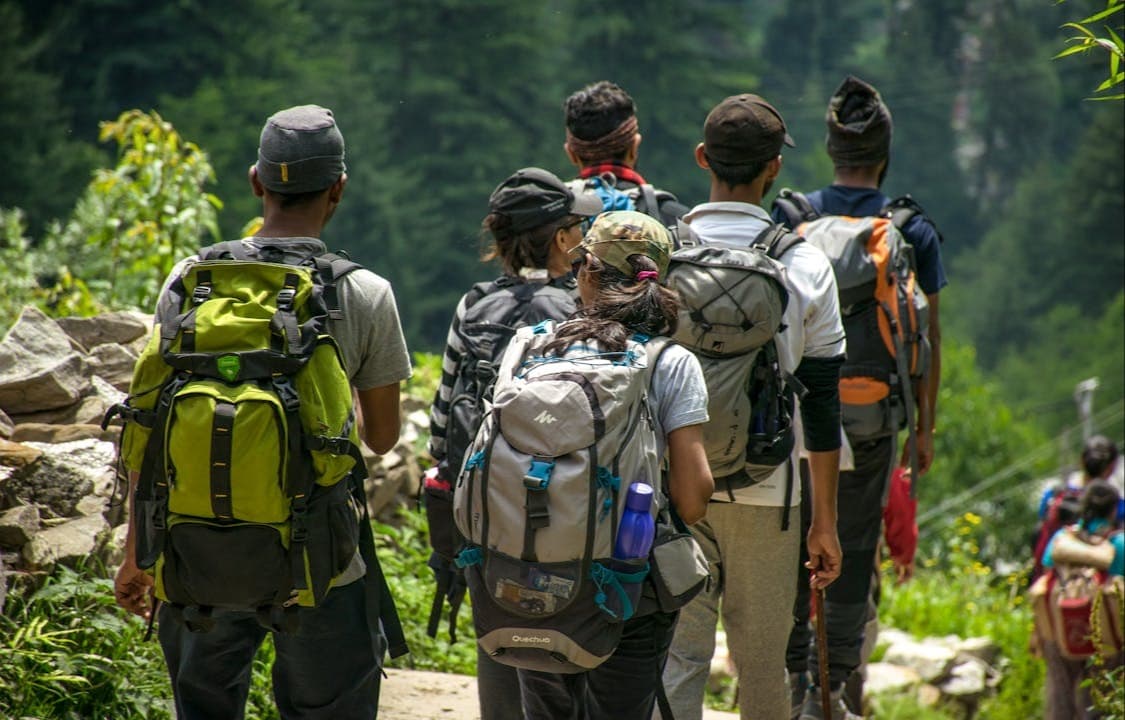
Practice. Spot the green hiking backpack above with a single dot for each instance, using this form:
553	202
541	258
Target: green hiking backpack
240	424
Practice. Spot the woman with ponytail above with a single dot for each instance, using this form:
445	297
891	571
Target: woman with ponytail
620	267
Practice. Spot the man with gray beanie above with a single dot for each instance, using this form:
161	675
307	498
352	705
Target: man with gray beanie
328	653
860	129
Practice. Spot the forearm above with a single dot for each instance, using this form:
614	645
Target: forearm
824	468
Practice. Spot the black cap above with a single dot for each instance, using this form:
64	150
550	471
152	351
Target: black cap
743	130
859	125
533	197
301	150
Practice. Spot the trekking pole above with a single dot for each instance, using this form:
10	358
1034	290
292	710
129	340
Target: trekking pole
822	651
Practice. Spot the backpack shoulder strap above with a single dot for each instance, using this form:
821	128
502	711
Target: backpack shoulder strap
903	209
776	240
683	236
648	197
330	268
795	206
227	250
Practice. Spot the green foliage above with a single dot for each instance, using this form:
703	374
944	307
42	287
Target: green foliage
956	592
1086	40
985	457
136	220
67	652
405	551
18	285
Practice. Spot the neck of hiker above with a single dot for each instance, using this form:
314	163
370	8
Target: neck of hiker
751	192
868	176
302	221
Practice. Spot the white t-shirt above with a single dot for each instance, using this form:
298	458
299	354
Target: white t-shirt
812	317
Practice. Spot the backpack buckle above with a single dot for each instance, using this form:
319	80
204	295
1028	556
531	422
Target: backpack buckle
538	476
200	294
334	445
285	298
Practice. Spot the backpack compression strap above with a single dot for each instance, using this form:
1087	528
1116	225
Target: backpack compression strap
331	268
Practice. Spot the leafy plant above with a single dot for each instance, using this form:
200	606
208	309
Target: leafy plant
1086	40
405	552
67	652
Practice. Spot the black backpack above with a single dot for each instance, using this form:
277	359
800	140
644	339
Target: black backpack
493	312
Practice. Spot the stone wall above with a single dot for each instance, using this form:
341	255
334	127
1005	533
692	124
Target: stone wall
58	498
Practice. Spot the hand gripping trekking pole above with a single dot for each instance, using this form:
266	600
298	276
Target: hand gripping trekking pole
822	651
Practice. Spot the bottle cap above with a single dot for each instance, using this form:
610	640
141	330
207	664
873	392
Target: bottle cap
639	498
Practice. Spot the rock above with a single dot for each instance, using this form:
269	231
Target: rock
46	433
7	427
18	525
69	543
966	680
113	550
397	479
113	363
118	328
3	584
92	504
419	419
931	661
928	695
64	475
18	455
38	368
981	648
884	677
100	395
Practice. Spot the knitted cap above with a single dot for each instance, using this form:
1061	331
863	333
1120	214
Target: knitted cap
301	150
859	125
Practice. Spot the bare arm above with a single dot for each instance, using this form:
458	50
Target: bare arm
131	584
689	476
825	556
379	421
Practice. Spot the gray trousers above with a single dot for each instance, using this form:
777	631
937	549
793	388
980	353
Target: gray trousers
753	574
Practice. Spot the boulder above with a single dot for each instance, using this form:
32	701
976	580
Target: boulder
113	550
967	680
18	455
114	363
46	433
932	661
884	677
68	544
18	525
38	368
7	427
981	648
64	475
119	328
98	397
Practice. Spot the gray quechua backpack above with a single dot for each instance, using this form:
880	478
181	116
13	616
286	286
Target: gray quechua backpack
732	304
542	493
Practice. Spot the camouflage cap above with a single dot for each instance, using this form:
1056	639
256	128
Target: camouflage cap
617	235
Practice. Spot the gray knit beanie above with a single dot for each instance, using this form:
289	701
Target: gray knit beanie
301	150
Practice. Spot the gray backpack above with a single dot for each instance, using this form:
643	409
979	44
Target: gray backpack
732	304
541	495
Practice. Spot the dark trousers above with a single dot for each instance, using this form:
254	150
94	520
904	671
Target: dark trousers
860	516
622	688
326	670
498	688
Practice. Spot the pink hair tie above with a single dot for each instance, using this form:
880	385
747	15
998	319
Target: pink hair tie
647	275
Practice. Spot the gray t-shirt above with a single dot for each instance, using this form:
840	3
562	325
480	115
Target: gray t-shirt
679	393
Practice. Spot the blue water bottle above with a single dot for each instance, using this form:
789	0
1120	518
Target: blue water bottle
637	529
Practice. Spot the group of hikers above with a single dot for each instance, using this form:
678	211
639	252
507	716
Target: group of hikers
655	419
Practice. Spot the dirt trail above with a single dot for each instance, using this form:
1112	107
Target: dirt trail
421	695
